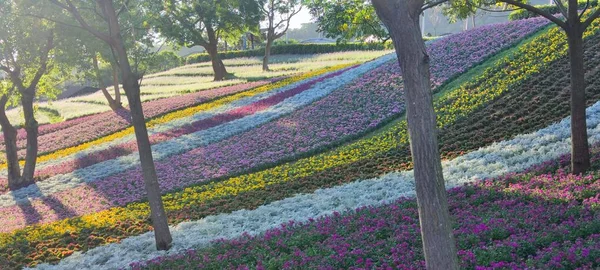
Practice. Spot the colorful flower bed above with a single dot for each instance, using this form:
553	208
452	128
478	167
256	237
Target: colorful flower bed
206	119
190	111
521	153
542	99
99	176
459	64
520	221
478	45
134	216
74	132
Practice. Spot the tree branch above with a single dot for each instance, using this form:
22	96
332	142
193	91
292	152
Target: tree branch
54	21
591	18
43	61
73	10
294	13
561	7
587	5
5	69
432	4
533	9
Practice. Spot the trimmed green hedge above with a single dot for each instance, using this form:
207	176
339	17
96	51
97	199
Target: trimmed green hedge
294	49
552	9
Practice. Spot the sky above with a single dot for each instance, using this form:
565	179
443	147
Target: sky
300	18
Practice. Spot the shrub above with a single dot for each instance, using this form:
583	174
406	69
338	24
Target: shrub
294	49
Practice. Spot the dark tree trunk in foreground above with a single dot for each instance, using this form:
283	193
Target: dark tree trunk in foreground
31	126
580	159
10	142
162	234
402	20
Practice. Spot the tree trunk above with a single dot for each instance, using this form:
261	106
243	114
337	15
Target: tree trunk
162	235
402	20
580	154
217	63
111	102
265	66
31	126
159	218
115	70
10	142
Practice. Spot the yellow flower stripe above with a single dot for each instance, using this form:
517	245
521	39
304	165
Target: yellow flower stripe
186	112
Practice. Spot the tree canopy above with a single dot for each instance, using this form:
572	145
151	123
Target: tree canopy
347	19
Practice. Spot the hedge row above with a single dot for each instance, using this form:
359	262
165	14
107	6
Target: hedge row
294	49
552	9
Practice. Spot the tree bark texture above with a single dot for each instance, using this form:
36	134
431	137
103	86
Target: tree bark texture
217	64
402	20
115	70
213	52
580	155
265	66
10	142
31	126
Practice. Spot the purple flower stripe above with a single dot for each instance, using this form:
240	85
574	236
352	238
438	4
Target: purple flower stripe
457	53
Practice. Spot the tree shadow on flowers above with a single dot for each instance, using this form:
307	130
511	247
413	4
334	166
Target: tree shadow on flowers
31	206
124	114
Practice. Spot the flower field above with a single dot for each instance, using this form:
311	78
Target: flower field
196	78
521	221
232	161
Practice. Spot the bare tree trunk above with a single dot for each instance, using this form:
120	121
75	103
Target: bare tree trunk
402	20
115	70
217	63
162	234
580	154
10	142
111	102
265	66
31	126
